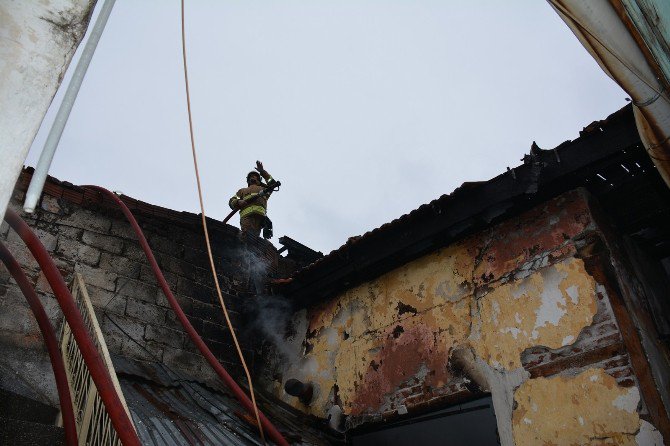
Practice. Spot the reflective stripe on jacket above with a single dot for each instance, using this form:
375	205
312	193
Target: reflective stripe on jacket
253	209
255	205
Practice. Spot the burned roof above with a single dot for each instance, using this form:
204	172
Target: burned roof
596	160
170	408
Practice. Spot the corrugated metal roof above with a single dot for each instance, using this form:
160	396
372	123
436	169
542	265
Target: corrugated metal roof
187	413
434	205
393	223
169	409
471	207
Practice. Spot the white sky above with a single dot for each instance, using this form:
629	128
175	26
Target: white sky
364	109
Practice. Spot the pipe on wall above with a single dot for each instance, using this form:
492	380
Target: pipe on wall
606	37
117	413
35	54
50	145
50	340
272	431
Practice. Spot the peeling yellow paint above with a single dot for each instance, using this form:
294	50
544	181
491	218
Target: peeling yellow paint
451	322
434	333
420	285
549	308
388	341
355	331
586	409
351	361
435	279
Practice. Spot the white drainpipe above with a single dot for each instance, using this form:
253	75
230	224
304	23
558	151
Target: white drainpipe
47	155
606	37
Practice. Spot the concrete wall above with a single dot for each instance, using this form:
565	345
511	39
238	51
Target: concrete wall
519	310
86	236
37	42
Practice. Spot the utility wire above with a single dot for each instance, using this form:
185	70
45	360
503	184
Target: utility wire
206	232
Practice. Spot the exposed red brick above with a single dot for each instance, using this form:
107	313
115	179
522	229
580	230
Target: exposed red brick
540	230
397	362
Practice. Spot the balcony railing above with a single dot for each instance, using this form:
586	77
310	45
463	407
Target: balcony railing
94	427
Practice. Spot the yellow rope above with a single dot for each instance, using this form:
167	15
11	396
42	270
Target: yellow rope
204	227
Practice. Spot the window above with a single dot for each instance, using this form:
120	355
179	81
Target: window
469	424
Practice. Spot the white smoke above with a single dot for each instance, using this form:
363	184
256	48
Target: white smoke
268	315
272	319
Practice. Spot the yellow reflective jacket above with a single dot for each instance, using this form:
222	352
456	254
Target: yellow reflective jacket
252	205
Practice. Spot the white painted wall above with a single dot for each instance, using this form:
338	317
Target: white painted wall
37	42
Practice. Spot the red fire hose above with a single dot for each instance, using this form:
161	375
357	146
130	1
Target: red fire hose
206	352
120	420
229	216
50	340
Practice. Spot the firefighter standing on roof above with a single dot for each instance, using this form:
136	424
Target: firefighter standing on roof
251	203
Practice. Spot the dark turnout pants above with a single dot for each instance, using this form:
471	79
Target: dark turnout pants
251	224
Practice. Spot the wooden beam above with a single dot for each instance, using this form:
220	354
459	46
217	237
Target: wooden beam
577	361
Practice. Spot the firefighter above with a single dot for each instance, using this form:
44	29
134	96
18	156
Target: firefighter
252	203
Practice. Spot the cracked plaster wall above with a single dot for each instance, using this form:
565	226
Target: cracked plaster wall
549	308
589	408
385	347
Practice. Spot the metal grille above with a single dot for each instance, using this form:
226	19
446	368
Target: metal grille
94	426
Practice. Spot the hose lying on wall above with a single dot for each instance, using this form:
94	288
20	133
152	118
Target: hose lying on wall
117	413
50	341
272	431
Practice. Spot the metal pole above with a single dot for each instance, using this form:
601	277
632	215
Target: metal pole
47	155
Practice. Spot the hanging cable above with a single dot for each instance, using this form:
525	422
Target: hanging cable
206	232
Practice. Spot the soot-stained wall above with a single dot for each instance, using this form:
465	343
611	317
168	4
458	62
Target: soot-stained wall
521	310
90	237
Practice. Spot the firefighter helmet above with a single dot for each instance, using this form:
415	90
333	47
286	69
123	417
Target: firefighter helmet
255	174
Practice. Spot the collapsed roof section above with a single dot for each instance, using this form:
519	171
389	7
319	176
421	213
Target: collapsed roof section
608	159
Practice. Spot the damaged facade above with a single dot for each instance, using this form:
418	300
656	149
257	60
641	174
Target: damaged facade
532	298
157	363
543	289
486	314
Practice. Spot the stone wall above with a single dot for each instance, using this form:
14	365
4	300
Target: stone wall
87	235
521	310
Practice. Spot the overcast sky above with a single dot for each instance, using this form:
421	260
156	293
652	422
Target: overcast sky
364	109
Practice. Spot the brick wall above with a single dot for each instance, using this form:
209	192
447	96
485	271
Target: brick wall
86	234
